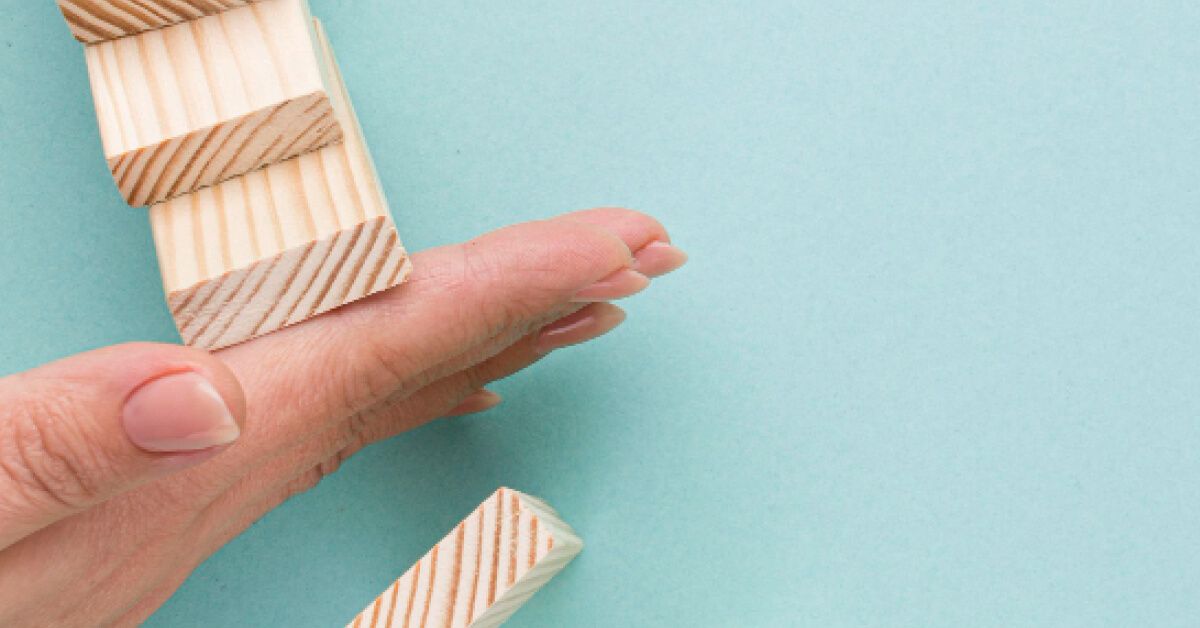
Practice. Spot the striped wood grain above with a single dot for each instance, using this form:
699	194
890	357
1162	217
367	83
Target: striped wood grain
93	21
279	245
201	102
482	572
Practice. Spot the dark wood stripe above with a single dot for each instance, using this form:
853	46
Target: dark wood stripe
144	157
491	598
138	11
514	538
478	565
355	269
250	299
286	287
387	623
412	595
533	541
209	135
212	319
185	319
456	574
375	615
224	173
119	165
287	151
118	23
385	255
316	274
337	270
150	9
391	282
433	556
225	143
80	27
157	193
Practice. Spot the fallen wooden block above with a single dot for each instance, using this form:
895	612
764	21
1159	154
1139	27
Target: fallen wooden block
483	571
198	103
93	21
276	246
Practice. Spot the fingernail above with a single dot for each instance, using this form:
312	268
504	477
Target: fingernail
659	258
178	413
479	401
587	324
621	284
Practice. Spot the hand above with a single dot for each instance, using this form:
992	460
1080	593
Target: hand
122	469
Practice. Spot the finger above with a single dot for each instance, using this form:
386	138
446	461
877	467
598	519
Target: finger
463	304
76	432
305	465
438	399
481	400
653	252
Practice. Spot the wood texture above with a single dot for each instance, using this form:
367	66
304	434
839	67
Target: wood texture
93	21
198	103
276	246
482	572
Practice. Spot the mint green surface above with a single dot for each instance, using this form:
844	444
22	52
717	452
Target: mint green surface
935	362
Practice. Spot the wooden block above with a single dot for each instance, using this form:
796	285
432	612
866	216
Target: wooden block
93	21
201	102
483	571
276	246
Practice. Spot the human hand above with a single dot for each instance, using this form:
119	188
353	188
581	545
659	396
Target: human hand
122	469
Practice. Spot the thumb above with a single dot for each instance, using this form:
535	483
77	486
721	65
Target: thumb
77	432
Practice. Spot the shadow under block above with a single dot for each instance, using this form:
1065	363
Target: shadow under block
201	102
276	246
93	21
483	571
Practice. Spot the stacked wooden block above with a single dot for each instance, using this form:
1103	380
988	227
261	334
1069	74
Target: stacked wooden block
483	571
229	119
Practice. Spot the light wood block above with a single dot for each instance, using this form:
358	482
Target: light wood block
93	21
279	245
201	102
483	571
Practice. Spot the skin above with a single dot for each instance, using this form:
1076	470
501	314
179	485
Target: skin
95	531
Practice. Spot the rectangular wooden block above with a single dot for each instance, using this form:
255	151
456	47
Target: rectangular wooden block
93	21
201	102
276	246
483	571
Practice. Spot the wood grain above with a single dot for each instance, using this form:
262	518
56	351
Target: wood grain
93	21
198	103
279	245
482	572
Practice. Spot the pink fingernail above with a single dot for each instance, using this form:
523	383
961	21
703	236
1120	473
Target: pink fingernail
587	324
178	413
659	258
621	284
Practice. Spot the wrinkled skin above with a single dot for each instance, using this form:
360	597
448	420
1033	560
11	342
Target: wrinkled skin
307	398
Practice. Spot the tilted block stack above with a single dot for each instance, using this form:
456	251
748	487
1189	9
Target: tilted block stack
229	119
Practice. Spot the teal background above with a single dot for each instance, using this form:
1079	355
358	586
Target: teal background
934	362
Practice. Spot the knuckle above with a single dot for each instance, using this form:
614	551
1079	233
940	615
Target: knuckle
50	458
313	477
